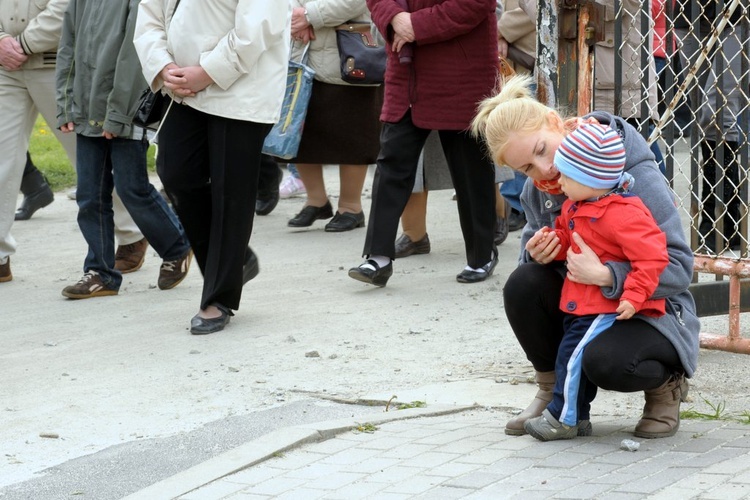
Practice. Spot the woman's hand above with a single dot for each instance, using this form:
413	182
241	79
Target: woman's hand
585	267
305	36
502	47
402	26
299	21
544	246
187	81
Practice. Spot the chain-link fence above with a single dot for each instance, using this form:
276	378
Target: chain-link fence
679	71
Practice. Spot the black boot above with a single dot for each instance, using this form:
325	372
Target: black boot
36	191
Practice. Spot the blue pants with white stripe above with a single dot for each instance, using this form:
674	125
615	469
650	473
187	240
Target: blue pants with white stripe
573	392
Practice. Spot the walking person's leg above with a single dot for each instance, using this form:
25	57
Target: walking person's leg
234	161
16	126
473	177
400	145
149	210
95	219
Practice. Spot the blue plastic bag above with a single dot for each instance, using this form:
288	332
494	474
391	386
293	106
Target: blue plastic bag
284	138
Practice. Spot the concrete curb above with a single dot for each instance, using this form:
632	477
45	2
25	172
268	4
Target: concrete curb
270	445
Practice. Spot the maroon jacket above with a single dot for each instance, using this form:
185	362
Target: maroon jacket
454	61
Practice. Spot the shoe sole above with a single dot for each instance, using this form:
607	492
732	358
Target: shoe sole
100	293
6	279
208	332
414	250
545	438
132	269
44	202
410	253
656	435
342	230
268	209
308	225
250	274
364	279
461	279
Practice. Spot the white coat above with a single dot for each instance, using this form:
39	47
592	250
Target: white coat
243	45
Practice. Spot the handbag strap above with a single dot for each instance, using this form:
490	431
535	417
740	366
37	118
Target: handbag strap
354	26
303	56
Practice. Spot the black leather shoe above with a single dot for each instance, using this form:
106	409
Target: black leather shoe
268	196
378	277
345	222
406	247
251	268
204	326
467	276
34	201
310	214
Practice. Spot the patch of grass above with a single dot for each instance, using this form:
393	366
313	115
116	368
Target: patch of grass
718	412
49	156
413	404
366	427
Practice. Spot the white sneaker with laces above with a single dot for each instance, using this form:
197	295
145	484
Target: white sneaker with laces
292	186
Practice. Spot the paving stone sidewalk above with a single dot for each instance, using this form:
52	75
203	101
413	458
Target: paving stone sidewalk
467	455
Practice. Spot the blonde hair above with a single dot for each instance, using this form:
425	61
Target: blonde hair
510	111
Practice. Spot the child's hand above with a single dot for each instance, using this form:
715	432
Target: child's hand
626	310
544	246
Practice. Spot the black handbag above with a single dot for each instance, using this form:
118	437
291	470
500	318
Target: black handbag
150	107
362	57
151	104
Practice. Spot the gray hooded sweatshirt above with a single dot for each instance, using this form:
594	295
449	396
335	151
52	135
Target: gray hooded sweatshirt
679	325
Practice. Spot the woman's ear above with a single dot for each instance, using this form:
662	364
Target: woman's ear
554	121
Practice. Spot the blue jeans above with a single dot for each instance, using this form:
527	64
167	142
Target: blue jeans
511	190
103	164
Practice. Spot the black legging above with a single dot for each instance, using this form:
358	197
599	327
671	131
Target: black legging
631	356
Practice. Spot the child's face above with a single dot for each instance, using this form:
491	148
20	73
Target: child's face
575	190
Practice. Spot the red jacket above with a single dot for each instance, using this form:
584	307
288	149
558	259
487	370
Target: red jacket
454	63
617	228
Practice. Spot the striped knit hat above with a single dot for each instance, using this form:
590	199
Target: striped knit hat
592	155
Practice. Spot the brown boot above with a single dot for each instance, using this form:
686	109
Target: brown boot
661	413
546	383
5	274
129	258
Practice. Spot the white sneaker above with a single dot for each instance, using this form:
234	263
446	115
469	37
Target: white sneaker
292	186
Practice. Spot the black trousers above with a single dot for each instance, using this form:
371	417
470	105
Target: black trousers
630	356
473	179
209	167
